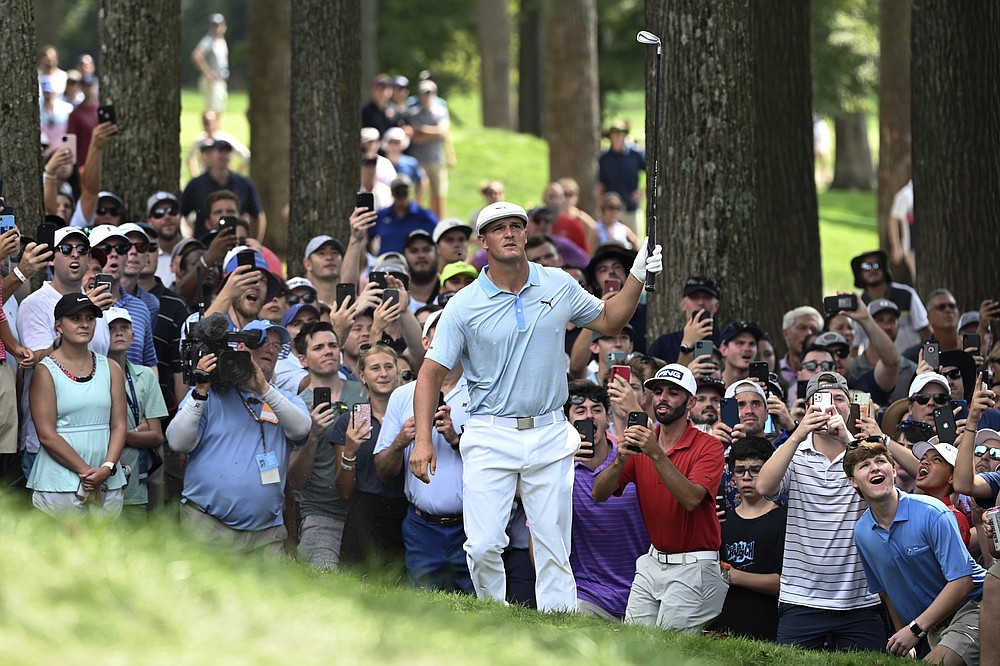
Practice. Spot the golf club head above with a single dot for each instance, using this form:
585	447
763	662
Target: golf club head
646	37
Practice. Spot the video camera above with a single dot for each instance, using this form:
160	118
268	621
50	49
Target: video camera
211	335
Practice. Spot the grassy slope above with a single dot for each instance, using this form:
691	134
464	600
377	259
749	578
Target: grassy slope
107	593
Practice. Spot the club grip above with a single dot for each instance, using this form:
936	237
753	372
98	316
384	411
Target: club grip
651	234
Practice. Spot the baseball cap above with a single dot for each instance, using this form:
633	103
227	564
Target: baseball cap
430	321
540	211
947	451
697	283
401	181
626	330
103	232
316	242
427	86
881	305
968	318
712	383
458	268
264	325
447	224
675	373
297	282
416	234
369	134
826	381
216	19
985	435
395	134
70	304
229	265
830	339
62	234
392	262
498	211
401	82
110	195
293	311
922	380
740	326
881	257
114	314
46	83
157	198
222	144
132	228
745	386
185	245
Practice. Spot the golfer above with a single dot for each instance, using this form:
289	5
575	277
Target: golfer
507	330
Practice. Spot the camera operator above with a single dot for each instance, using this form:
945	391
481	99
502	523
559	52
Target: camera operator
236	430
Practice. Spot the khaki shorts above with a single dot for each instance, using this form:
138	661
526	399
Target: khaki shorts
214	93
961	636
437	175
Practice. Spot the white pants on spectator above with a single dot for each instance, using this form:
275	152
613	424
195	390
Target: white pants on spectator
494	458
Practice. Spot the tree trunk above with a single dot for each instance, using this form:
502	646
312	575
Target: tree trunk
326	124
707	201
20	157
493	28
369	45
270	101
573	121
786	190
956	148
530	65
852	169
894	159
143	83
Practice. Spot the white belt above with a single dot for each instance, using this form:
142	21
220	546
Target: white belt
521	422
684	558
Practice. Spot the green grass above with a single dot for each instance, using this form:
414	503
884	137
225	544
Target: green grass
106	592
847	219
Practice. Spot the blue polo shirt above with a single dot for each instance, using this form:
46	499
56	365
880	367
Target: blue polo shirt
917	557
393	230
511	345
141	351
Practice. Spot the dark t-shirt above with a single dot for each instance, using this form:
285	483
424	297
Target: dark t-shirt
167	339
194	195
366	479
668	346
754	546
619	172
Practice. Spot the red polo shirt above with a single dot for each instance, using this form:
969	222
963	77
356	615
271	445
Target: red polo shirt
672	528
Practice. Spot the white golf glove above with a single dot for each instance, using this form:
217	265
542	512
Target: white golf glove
644	263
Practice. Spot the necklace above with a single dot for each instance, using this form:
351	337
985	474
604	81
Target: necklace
85	378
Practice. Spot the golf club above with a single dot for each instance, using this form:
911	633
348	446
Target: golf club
646	37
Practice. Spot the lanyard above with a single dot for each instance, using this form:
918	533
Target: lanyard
253	415
131	398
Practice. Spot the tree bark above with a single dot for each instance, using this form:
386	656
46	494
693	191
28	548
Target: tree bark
852	169
956	147
369	45
140	75
270	102
786	190
530	65
707	199
326	124
493	28
894	161
572	124
20	157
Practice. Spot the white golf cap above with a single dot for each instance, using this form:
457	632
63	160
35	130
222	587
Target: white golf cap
745	386
675	373
103	232
132	228
947	451
65	232
297	282
157	198
499	211
446	225
920	381
430	321
114	314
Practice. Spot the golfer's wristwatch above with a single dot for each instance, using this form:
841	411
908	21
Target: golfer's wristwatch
917	631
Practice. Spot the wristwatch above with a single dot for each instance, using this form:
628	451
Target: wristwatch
686	349
198	396
111	466
917	631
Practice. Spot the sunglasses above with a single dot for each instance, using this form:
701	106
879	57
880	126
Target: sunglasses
924	398
141	246
308	297
66	249
825	366
945	306
982	450
107	210
159	213
839	352
954	373
407	375
922	427
874	439
740	470
870	266
121	248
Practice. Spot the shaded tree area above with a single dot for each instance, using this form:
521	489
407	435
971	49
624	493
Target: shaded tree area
530	68
144	157
325	123
956	147
20	157
788	230
707	200
493	27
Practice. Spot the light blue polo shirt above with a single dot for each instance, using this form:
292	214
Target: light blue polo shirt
917	557
511	345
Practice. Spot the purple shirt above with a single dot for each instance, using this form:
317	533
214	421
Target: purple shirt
608	537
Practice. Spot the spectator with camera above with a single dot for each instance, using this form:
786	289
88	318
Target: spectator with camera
873	276
886	315
738	346
237	429
700	301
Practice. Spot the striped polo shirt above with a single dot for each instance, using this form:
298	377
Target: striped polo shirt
821	567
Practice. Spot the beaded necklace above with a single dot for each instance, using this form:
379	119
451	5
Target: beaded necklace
86	378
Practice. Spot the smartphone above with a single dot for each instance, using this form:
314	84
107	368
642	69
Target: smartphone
759	370
704	348
228	221
834	304
639	419
863	401
963	411
246	258
365	200
345	289
103	278
441	402
69	142
855	416
971	340
391	295
824	401
321	396
378	277
730	413
612	286
6	223
46	233
623	371
587	429
932	355
106	114
701	315
944	422
361	413
801	389
616	358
